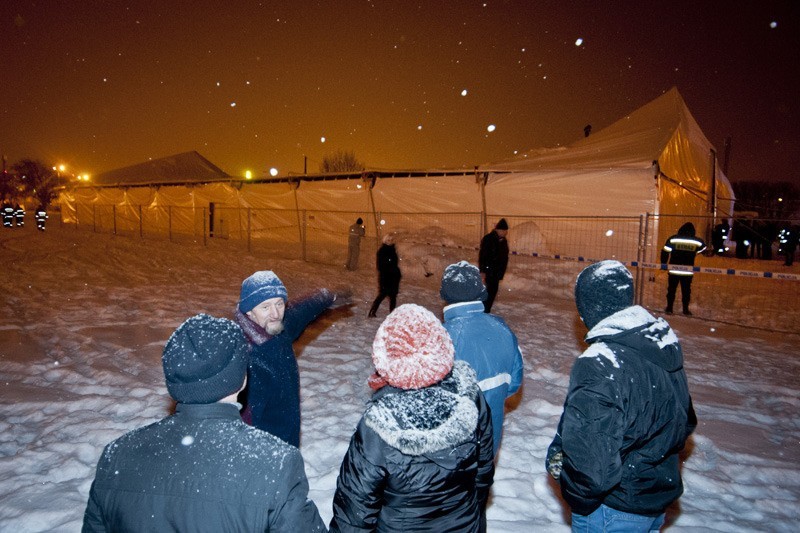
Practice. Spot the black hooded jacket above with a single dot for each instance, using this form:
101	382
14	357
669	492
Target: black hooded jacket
681	249
420	460
627	416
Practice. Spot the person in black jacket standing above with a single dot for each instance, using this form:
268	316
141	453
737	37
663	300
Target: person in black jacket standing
388	265
493	260
421	458
202	468
628	412
680	250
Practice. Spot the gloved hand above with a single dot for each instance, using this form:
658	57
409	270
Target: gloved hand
554	463
342	297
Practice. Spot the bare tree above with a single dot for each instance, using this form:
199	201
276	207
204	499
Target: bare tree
37	180
340	161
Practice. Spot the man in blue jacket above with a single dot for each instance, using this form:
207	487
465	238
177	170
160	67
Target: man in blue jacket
482	340
273	391
627	414
202	468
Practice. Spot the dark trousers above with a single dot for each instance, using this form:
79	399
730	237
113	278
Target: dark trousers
686	290
492	286
379	299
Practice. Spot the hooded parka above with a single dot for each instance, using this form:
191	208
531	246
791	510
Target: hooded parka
627	416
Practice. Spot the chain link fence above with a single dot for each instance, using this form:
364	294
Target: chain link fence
748	283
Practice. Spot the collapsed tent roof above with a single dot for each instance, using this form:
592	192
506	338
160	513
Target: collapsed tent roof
185	168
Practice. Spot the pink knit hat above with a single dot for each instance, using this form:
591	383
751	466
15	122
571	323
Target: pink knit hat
411	350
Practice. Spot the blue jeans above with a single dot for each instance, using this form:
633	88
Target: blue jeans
608	520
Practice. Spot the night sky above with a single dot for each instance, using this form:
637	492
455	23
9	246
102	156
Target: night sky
99	85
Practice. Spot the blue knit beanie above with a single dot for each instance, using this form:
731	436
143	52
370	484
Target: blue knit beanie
205	360
601	290
260	287
461	282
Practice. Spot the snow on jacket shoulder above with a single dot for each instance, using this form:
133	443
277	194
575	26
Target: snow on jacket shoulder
201	469
627	416
420	460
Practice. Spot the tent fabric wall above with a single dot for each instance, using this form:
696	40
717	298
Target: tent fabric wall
655	160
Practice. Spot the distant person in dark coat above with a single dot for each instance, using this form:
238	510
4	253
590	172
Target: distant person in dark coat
201	469
719	236
355	234
41	217
483	340
8	214
680	250
272	396
421	456
388	265
627	414
493	260
789	239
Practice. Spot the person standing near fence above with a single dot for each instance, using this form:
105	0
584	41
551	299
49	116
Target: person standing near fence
356	233
493	260
388	265
681	249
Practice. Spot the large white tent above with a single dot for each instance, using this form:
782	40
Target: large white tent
654	161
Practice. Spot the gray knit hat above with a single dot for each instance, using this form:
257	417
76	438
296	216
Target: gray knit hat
601	290
461	282
205	360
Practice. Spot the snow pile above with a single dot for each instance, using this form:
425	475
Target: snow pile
86	316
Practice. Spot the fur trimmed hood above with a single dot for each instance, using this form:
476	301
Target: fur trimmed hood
430	419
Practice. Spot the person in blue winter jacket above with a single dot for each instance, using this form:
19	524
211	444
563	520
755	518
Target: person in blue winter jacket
272	396
627	414
483	340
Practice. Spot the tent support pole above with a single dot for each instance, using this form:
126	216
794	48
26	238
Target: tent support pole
482	179
370	184
295	184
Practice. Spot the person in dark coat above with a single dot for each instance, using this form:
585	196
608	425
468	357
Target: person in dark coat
19	215
680	250
388	265
483	340
41	217
421	456
8	214
719	236
789	237
201	469
627	414
355	234
272	396
493	260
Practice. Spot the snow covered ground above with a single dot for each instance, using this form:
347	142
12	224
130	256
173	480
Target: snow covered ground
84	317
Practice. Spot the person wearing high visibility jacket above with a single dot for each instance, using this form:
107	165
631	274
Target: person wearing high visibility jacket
680	250
41	217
